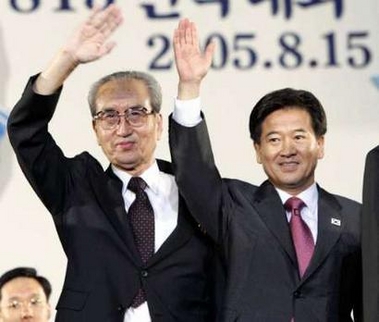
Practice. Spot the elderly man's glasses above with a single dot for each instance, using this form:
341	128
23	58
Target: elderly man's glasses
110	119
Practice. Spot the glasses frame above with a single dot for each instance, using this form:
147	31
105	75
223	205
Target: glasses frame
34	303
126	115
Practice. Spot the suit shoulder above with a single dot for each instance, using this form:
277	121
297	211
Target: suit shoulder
239	189
85	163
238	184
372	164
374	152
341	200
347	202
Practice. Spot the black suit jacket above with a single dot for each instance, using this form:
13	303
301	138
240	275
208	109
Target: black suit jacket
250	224
104	270
370	237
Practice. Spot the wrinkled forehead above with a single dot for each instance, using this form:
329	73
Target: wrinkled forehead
122	88
133	91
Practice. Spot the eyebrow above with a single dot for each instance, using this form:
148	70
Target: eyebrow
278	132
301	130
31	296
111	109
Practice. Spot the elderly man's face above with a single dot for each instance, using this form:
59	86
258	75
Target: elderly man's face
23	299
127	147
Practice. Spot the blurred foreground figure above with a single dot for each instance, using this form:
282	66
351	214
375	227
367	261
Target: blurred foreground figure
24	296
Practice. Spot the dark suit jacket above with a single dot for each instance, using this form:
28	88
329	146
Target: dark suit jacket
250	225
370	237
104	270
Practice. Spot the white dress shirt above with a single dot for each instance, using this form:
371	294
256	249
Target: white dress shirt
164	198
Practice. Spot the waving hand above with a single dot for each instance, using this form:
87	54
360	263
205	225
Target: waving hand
191	63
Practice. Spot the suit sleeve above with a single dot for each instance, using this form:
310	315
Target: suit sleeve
197	177
41	160
370	237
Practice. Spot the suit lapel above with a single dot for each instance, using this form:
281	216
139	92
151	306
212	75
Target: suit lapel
183	230
329	229
108	192
180	235
112	203
271	210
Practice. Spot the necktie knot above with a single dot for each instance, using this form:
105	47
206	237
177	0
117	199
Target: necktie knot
136	184
294	205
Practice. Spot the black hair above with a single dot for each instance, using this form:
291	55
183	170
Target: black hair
28	272
284	99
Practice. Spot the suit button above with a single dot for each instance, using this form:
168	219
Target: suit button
144	273
297	294
121	308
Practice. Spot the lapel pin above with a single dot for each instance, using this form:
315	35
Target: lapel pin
336	222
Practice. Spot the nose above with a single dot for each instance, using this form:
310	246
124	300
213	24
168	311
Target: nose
123	128
288	147
26	312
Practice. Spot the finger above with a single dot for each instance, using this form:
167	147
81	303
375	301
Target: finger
114	14
181	32
104	23
99	16
107	48
95	10
188	32
93	19
209	51
193	34
109	26
175	37
177	43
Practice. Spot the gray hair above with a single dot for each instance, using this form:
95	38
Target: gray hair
155	92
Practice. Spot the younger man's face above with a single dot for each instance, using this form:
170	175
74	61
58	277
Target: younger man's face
23	299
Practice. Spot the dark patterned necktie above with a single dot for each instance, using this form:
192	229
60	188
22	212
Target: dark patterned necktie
301	234
141	218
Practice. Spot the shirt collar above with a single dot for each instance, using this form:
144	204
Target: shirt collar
309	196
150	176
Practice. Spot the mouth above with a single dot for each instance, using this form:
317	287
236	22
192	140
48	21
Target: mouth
289	166
125	145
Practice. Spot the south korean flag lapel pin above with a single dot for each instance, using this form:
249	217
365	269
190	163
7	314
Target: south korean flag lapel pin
335	222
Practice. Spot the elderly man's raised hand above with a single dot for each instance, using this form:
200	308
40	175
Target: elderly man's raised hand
91	40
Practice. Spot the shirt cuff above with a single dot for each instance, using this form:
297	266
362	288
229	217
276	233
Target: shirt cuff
187	113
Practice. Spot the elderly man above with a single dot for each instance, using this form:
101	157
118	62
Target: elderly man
134	252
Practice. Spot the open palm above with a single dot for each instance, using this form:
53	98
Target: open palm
191	63
89	41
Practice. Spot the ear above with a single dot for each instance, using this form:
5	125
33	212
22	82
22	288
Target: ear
321	146
1	311
48	311
95	129
257	148
159	124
